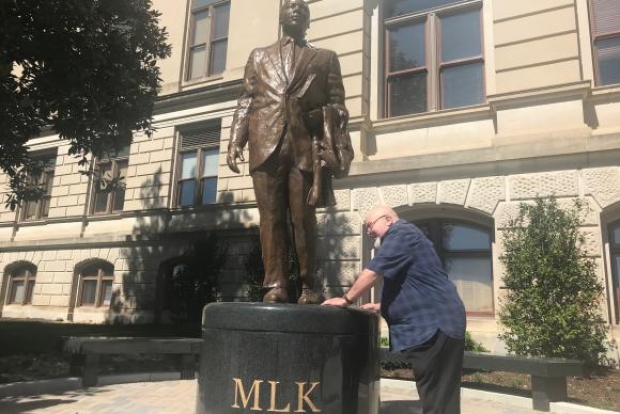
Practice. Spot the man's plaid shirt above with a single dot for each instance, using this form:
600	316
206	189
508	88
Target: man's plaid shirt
418	298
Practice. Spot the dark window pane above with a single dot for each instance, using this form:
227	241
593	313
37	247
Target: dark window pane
407	94
45	207
101	201
197	62
609	60
462	85
187	190
30	291
460	36
616	236
218	56
463	238
119	200
202	3
49	182
123	152
89	290
106	292
19	289
220	25
188	169
210	162
407	47
606	16
31	210
209	190
201	28
399	7
119	193
473	280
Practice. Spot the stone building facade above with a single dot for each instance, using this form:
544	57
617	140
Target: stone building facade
460	111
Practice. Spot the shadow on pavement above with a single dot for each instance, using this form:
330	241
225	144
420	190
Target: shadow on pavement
27	404
401	407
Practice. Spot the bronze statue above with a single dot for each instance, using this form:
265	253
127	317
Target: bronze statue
291	111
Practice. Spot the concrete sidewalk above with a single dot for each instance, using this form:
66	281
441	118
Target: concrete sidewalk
179	397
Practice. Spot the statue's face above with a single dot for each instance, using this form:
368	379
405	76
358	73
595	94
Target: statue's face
295	15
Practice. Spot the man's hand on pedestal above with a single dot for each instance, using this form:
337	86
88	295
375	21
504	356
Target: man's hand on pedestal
340	302
372	307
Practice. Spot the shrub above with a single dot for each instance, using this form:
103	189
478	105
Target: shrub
472	345
552	306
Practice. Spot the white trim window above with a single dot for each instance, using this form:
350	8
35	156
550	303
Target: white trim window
207	46
198	164
605	32
433	56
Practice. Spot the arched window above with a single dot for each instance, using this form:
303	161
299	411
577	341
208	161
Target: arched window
21	284
614	250
465	251
95	284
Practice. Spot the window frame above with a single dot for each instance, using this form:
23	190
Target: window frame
435	226
46	180
211	10
431	19
100	278
593	39
198	193
28	279
191	140
614	251
115	169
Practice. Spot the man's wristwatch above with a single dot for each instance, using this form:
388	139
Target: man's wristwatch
346	299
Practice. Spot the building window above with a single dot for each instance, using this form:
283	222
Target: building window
465	251
39	209
96	284
614	247
208	38
198	164
21	285
605	28
109	186
433	55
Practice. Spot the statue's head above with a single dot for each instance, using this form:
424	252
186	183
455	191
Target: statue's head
295	18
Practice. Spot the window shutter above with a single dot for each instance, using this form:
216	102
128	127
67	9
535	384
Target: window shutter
201	135
606	16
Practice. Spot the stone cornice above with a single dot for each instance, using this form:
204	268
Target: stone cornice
191	98
576	90
577	152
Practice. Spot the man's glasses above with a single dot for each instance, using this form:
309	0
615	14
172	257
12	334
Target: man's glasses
369	226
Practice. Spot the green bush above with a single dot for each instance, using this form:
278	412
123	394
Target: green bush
552	306
472	345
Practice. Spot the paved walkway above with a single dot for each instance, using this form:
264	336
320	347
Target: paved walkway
179	397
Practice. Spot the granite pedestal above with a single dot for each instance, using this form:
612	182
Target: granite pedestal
280	358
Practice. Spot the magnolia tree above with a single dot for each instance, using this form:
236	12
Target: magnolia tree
553	302
84	69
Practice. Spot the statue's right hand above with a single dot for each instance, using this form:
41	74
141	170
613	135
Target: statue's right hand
234	152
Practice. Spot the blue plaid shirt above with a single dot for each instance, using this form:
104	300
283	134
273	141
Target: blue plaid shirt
418	298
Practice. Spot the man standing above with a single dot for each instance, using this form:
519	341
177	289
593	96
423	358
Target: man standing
286	88
424	313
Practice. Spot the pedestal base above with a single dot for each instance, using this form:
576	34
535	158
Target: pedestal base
288	359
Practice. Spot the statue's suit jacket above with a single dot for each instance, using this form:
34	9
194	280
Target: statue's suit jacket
270	102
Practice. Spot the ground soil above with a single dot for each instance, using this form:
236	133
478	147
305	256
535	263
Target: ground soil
600	389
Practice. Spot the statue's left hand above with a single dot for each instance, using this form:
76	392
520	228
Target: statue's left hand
234	152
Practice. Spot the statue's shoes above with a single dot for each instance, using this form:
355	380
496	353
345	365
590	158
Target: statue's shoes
276	295
309	297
